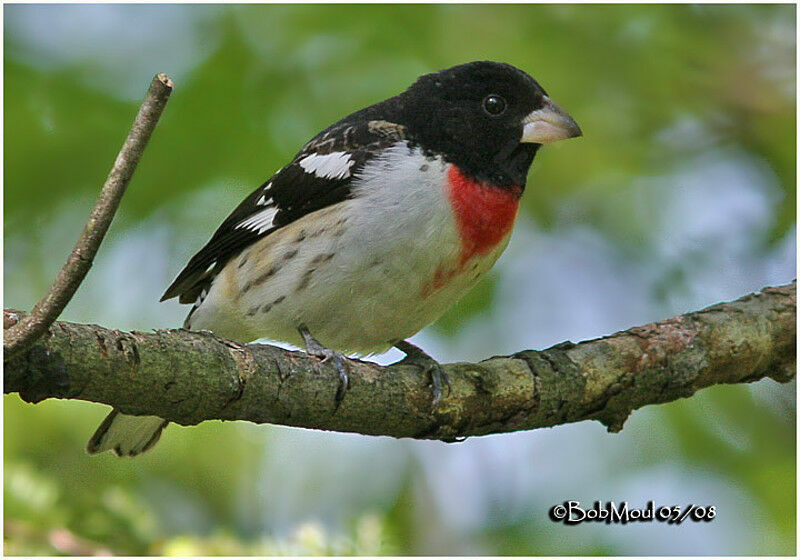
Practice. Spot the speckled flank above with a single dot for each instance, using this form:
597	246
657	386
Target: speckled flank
267	307
289	254
306	278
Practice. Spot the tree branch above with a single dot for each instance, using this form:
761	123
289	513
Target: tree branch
34	325
188	377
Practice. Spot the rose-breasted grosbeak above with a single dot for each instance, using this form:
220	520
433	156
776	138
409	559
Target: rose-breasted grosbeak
378	225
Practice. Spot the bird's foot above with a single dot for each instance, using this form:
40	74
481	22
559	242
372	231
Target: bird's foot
416	356
314	348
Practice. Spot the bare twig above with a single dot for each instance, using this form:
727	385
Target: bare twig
188	377
33	325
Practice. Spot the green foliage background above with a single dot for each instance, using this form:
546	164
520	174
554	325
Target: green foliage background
660	92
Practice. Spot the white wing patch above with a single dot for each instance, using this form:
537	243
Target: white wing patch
260	221
263	200
201	297
335	165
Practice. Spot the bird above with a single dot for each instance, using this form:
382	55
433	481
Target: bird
377	226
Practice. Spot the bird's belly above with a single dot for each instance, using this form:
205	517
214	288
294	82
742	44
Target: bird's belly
355	301
390	293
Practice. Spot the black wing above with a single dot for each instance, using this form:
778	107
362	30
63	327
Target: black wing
320	175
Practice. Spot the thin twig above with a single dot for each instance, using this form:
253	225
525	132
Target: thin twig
47	310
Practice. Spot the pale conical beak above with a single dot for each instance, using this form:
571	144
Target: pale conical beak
549	123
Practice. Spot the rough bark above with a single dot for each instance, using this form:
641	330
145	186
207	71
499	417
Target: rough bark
188	377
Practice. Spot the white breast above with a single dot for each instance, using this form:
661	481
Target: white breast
361	274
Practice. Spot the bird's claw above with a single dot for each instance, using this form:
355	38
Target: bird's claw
439	380
314	348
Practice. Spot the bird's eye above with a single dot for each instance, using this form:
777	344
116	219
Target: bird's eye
494	104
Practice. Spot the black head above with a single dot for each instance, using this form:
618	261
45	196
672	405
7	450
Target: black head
488	118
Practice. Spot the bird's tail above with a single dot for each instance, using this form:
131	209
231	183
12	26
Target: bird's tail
126	435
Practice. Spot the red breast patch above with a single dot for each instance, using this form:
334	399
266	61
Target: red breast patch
484	213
